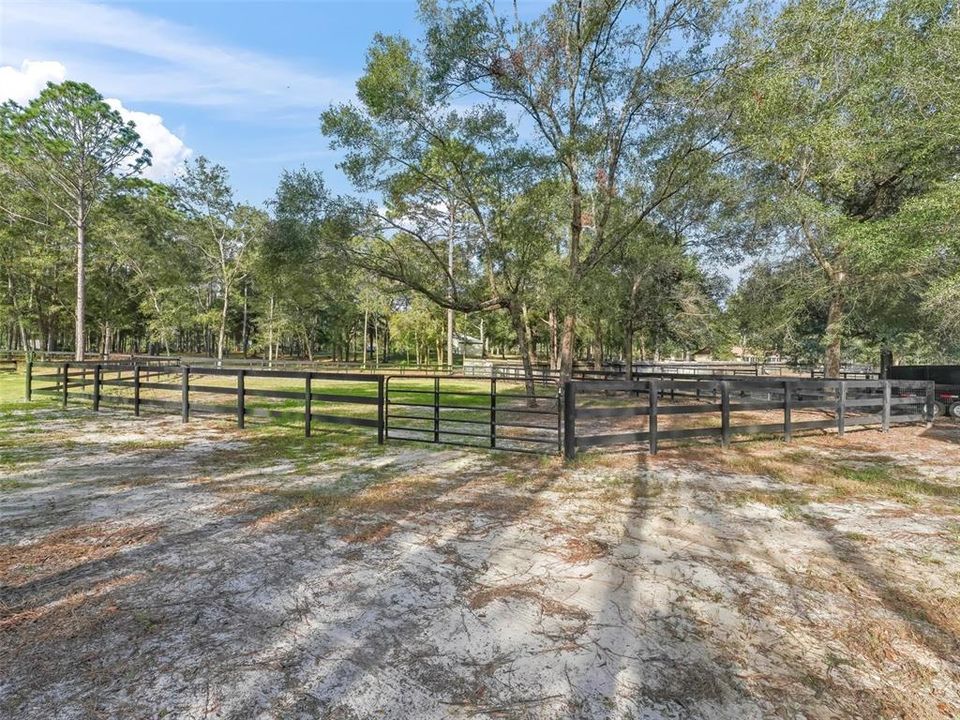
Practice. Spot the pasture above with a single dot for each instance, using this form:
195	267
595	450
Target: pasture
152	569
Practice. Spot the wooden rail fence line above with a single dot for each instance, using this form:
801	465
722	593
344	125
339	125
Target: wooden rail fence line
845	399
515	420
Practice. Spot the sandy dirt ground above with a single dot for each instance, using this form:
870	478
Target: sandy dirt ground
153	570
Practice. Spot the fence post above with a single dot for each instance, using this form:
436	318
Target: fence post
66	375
653	396
725	413
841	408
885	413
569	420
931	399
136	391
493	411
380	414
559	406
241	399
436	409
787	410
184	394
307	405
28	382
96	387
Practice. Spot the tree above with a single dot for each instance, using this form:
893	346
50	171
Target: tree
220	230
847	110
424	159
610	91
68	147
307	290
144	232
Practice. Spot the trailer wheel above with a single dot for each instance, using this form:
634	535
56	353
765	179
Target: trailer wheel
938	408
955	410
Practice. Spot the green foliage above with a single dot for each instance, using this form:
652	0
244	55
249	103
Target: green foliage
569	177
848	117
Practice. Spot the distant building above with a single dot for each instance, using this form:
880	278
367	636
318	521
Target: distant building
467	346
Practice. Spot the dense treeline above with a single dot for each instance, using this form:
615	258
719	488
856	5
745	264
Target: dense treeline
575	186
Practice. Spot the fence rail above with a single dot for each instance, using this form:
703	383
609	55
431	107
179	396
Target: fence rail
187	390
629	413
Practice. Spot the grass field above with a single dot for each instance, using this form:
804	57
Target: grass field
154	569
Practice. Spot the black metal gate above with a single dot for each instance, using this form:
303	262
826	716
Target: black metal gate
469	412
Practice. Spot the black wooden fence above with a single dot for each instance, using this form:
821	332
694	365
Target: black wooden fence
425	408
631	413
483	414
202	391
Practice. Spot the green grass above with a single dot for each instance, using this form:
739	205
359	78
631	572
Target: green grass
11	389
897	481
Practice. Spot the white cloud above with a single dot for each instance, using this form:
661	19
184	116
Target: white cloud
169	151
140	57
26	83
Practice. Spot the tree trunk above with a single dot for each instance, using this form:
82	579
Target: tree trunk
568	339
526	356
246	332
628	350
834	333
453	220
567	345
270	335
554	340
308	346
221	337
366	331
531	346
80	328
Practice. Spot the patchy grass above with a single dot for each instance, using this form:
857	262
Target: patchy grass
790	503
875	476
897	481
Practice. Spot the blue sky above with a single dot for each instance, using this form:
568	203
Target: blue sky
241	82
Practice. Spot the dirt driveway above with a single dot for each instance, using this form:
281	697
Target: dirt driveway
152	570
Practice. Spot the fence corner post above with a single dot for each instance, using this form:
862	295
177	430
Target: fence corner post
885	413
931	404
381	429
841	408
652	422
493	411
241	399
787	411
97	373
436	409
569	420
136	390
185	394
28	382
307	405
725	413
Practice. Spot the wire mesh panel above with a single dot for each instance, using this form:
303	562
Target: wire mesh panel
491	413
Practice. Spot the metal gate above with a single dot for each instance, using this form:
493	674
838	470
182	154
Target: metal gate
470	412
